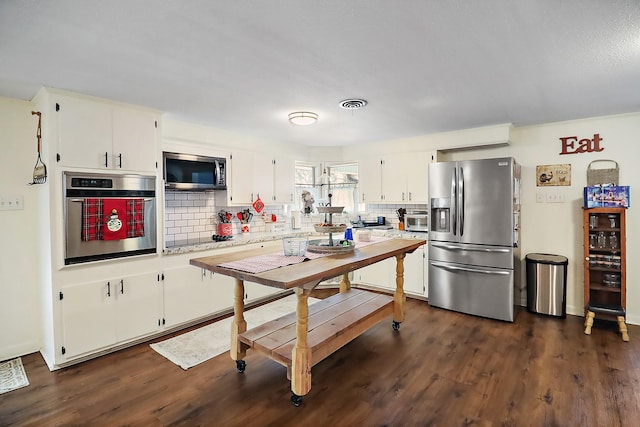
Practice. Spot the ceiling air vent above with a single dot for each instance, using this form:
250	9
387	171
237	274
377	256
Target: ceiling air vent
352	104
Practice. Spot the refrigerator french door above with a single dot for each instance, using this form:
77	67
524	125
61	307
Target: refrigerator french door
473	236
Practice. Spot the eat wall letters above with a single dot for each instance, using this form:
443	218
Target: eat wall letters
571	144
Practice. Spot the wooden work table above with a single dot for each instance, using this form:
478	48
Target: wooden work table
302	339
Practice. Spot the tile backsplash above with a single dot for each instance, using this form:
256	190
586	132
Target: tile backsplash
188	216
191	217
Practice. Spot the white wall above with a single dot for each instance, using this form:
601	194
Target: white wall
19	288
557	227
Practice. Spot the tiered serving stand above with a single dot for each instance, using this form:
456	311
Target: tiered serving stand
330	245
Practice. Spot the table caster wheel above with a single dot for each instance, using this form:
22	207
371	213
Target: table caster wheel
241	365
395	325
296	400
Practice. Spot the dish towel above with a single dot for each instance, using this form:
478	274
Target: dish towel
95	219
92	219
135	217
115	221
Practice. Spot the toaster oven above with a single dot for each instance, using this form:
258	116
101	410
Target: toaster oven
416	221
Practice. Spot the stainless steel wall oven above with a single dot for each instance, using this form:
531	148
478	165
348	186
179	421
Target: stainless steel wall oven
108	216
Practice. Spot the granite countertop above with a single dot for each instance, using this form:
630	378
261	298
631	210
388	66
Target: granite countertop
197	245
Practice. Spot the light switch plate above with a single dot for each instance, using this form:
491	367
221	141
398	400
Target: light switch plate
11	202
555	198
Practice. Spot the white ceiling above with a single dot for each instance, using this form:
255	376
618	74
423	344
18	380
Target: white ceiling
425	66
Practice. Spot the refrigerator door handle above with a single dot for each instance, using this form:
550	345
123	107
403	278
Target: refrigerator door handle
461	204
470	270
470	249
454	197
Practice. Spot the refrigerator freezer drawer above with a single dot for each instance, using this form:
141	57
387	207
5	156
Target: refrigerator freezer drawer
481	291
464	253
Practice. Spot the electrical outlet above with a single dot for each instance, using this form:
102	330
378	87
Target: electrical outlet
11	202
540	198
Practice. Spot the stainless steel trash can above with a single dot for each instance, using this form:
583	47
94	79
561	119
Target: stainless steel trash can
547	284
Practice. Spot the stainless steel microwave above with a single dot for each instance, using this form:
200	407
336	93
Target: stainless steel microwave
193	172
416	221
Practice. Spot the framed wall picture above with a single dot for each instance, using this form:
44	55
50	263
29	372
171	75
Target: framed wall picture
553	175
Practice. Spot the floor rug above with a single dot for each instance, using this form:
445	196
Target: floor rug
12	375
191	348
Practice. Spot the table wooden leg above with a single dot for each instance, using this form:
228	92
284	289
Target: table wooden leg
399	297
623	328
588	322
238	350
345	284
301	357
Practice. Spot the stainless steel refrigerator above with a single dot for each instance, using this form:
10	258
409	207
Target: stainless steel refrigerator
474	256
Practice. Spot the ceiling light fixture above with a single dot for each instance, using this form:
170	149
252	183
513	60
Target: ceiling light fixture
303	118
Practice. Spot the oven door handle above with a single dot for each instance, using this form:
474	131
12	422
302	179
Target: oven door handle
82	200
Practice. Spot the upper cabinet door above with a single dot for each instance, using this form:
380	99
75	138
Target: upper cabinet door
284	177
134	140
240	182
370	177
100	135
417	170
86	133
262	178
394	178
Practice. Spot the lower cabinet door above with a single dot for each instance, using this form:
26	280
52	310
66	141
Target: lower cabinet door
378	274
187	295
100	314
413	272
87	317
138	300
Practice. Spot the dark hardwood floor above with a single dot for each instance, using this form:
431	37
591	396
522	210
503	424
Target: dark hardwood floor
441	369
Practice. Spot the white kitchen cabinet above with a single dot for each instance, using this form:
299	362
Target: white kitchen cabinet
383	274
103	313
190	293
101	135
252	291
263	177
134	140
240	182
85	133
370	180
417	175
414	272
378	274
260	174
284	179
394	178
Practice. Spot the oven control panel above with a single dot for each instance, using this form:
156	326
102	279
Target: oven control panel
92	182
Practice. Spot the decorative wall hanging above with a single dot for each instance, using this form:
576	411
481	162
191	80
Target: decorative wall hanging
573	145
553	175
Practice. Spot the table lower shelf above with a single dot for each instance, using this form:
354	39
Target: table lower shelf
333	322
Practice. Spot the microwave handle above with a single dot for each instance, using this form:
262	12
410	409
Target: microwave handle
217	178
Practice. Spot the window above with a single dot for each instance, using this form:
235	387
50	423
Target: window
338	179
